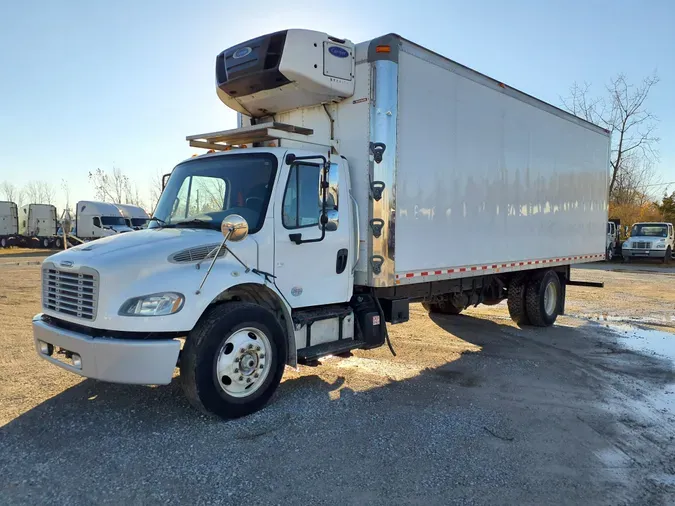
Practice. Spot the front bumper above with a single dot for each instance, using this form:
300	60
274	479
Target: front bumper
133	361
643	253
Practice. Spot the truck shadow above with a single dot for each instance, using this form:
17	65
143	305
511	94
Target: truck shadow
503	395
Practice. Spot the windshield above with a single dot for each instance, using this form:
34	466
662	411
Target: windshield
109	221
203	191
649	230
138	222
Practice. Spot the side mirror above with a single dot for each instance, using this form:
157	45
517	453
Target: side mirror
234	228
165	179
332	220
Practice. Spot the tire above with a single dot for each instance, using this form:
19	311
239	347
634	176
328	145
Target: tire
609	256
445	306
223	334
3	242
516	299
57	243
543	299
626	260
666	258
44	243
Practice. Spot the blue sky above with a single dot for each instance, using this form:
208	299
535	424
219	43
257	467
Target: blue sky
89	84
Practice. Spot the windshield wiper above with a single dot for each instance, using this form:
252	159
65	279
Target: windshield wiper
195	223
161	222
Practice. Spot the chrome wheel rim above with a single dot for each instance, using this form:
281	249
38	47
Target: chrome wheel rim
244	362
550	298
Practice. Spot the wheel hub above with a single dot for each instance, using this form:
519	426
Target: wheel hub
550	298
242	362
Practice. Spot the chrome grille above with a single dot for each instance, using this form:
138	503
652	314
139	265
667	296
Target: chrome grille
197	253
642	245
74	293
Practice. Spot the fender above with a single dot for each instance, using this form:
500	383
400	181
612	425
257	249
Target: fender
254	288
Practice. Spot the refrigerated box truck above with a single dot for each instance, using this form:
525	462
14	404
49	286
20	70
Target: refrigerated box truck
9	223
371	176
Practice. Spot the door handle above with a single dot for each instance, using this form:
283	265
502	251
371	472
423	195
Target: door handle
341	262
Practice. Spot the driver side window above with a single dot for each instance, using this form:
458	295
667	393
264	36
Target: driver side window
302	199
97	222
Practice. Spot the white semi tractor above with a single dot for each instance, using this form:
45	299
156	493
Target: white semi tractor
9	223
135	216
94	220
371	176
38	225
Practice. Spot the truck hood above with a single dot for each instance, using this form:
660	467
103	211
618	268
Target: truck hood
646	238
146	247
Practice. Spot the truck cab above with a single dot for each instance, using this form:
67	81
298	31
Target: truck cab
650	240
135	216
94	220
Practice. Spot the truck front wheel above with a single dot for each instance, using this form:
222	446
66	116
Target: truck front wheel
233	360
666	258
543	299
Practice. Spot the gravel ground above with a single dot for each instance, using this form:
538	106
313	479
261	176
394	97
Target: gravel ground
473	410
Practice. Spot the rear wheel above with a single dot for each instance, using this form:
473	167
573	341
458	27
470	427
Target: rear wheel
3	242
443	306
58	243
45	243
543	299
516	299
232	362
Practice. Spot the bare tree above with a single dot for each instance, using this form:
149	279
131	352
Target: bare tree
156	189
32	192
110	187
66	193
11	192
624	115
39	192
46	193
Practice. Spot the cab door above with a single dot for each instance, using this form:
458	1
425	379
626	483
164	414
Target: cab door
312	267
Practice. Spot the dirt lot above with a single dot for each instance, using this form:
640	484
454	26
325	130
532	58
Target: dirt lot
473	410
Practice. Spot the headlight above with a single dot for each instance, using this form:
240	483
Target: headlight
156	304
661	245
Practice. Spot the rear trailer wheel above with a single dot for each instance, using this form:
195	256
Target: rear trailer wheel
45	243
233	360
3	242
444	306
516	299
543	299
58	243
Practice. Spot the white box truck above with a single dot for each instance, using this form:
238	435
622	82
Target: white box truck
135	216
370	176
37	226
94	220
9	223
650	240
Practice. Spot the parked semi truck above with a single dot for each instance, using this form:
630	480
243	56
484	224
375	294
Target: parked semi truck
94	220
650	240
135	216
37	227
371	175
9	223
